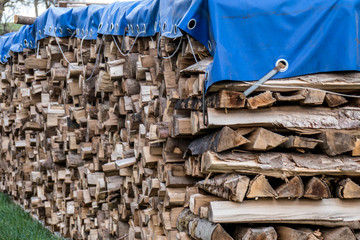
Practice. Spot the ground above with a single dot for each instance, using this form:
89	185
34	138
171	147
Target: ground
16	224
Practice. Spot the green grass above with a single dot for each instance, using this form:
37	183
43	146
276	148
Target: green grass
16	224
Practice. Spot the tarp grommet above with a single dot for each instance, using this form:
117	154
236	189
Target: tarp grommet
164	27
117	27
283	61
50	29
82	32
31	43
175	29
111	27
137	28
26	42
100	26
60	30
191	24
69	30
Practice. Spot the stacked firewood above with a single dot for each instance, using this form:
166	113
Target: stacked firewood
113	139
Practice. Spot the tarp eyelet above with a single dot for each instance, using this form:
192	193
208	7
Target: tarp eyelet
111	26
26	42
50	29
60	30
117	27
100	26
175	29
39	32
283	61
31	43
82	32
69	30
131	28
164	27
191	24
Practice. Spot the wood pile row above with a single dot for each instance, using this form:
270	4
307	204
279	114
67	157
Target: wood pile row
100	145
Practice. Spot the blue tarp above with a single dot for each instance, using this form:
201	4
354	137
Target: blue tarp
246	38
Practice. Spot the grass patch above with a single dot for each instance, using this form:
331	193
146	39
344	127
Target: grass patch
16	224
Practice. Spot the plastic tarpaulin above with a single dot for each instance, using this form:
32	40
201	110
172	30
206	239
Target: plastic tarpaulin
246	38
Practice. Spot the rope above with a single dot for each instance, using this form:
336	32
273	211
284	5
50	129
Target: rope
37	50
97	60
191	47
132	46
57	41
173	54
117	46
81	53
299	87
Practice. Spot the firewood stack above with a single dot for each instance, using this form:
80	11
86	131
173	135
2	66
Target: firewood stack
99	145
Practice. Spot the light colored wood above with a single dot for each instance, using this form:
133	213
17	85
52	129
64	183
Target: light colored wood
327	212
292	164
287	117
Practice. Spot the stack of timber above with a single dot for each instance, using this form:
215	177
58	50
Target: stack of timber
104	145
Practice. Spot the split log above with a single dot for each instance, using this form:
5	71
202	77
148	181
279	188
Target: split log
219	141
317	188
262	100
313	97
328	212
342	233
294	97
298	142
263	233
226	99
286	233
200	228
335	143
229	186
263	140
259	187
294	188
333	100
348	189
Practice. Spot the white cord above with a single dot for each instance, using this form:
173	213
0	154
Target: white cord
37	50
81	53
127	54
117	46
192	50
57	41
299	87
158	47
